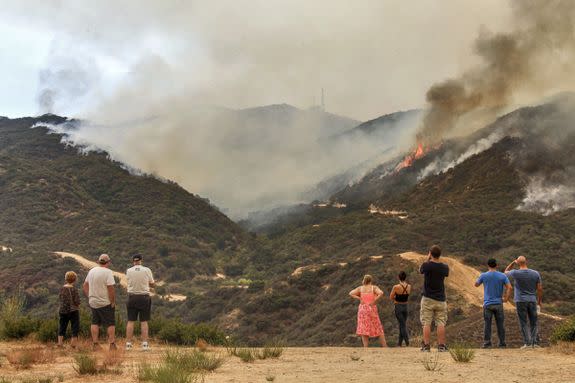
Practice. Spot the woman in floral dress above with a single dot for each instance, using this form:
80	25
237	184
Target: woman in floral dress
368	323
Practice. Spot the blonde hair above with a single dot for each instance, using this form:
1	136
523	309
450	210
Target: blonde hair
70	277
367	279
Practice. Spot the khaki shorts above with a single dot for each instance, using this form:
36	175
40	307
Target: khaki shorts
432	310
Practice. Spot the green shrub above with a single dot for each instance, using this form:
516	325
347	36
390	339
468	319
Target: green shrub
18	327
175	332
462	353
164	373
85	364
272	351
246	354
193	361
48	331
564	332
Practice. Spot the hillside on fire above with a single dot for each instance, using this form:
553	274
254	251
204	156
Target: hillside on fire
476	196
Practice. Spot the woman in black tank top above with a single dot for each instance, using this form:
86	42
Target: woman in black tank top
400	295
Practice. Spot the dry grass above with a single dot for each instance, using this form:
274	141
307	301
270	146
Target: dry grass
25	358
462	353
202	345
431	362
565	348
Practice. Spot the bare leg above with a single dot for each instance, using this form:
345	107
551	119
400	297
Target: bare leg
94	329
144	331
111	334
365	340
427	334
60	340
129	331
382	340
441	334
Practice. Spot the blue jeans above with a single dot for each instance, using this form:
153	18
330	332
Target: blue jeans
525	311
488	313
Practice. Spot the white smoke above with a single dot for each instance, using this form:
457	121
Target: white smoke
545	198
446	162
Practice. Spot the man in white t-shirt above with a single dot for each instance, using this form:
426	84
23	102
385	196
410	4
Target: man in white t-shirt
99	288
140	280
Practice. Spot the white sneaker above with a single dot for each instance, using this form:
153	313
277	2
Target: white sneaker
128	346
145	346
525	346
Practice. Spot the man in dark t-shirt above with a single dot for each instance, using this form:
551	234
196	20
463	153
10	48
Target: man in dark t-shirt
433	301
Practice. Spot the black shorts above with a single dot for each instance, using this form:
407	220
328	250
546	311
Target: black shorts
73	318
139	306
104	316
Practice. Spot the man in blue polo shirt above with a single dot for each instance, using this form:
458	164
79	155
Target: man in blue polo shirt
494	283
528	295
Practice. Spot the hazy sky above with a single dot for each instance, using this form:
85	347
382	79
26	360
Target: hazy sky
372	57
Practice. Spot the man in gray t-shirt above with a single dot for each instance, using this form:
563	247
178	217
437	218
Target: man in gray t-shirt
528	295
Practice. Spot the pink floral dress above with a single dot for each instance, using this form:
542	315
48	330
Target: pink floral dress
368	322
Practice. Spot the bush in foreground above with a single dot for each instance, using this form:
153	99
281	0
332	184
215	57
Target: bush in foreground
462	353
564	332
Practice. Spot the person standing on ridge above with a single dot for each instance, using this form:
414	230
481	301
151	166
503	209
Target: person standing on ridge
99	288
528	296
496	291
433	301
69	309
368	322
399	295
139	305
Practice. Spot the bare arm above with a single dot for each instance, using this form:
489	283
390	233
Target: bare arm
112	295
86	289
378	294
510	266
507	292
539	293
392	294
355	294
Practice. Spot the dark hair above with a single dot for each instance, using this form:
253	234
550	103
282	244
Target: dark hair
435	251
492	262
402	276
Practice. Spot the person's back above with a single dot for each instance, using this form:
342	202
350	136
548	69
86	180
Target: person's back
139	278
525	283
434	280
99	278
493	285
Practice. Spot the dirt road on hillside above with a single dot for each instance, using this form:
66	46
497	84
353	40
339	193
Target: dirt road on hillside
330	365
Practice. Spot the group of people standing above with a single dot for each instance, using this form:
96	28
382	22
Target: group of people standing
433	308
99	288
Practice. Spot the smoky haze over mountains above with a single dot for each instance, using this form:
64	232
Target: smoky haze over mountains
145	77
534	58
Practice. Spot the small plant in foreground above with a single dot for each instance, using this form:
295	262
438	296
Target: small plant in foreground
462	353
270	378
165	373
86	364
193	361
271	351
431	362
246	354
25	358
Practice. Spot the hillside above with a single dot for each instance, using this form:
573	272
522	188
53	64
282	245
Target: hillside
56	199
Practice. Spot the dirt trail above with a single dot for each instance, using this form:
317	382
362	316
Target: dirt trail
462	278
121	276
331	365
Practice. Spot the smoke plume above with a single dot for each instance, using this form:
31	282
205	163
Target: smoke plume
534	58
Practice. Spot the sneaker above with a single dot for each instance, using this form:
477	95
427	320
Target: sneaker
536	346
525	346
425	348
442	348
145	346
113	346
128	345
502	345
488	345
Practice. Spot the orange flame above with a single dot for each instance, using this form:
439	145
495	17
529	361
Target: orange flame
418	153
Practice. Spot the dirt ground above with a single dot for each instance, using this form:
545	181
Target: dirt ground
338	364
